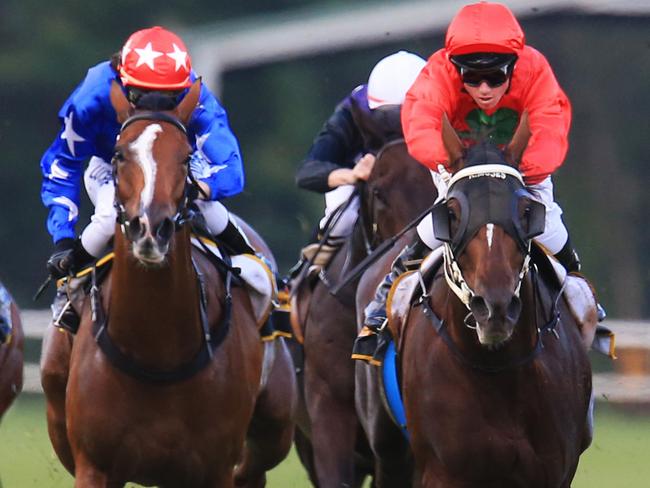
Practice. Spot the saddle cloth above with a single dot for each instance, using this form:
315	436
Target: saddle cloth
577	291
258	277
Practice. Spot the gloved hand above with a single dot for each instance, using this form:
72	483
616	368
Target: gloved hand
61	259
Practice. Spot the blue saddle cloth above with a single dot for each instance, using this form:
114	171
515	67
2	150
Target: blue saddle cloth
391	388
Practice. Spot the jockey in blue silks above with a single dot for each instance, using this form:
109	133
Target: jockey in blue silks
156	61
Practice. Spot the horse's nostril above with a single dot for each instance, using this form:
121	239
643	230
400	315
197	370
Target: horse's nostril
165	230
134	229
514	308
479	308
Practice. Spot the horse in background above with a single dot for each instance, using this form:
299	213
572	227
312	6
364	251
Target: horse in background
330	441
166	382
493	370
11	350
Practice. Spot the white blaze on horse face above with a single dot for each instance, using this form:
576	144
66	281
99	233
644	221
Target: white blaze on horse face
142	147
489	233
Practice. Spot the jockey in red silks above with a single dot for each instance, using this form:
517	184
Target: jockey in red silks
483	81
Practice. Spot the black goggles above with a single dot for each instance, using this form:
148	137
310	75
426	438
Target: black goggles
134	94
493	78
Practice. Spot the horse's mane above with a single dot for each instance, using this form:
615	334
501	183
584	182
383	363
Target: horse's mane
485	152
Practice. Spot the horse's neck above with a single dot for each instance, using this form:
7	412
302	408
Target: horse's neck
154	312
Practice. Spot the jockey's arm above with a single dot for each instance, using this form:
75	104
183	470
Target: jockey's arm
423	110
549	119
346	176
62	167
330	160
217	144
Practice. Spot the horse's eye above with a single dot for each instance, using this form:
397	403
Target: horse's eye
452	215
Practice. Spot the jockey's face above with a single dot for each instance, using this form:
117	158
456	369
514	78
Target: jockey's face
486	96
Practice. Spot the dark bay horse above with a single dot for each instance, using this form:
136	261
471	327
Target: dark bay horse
495	378
178	397
11	351
330	441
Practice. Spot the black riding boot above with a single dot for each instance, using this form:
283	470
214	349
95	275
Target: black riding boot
369	345
569	259
234	240
410	258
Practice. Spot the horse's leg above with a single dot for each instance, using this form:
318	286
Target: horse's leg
329	391
270	433
306	455
55	367
393	461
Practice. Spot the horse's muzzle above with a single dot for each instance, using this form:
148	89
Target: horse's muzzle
150	247
495	319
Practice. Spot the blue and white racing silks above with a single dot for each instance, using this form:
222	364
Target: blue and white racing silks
90	128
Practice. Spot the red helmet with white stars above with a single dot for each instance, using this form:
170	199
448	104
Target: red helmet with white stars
155	59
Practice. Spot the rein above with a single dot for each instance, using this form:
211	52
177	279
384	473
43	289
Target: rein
457	284
379	251
156	116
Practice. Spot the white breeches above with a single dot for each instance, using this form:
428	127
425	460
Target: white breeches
425	227
555	233
345	222
98	179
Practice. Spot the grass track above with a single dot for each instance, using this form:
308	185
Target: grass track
618	457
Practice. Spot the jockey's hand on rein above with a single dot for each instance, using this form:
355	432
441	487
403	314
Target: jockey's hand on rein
198	191
61	259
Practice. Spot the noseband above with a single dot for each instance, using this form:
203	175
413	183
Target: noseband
181	211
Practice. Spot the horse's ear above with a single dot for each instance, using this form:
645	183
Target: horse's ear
188	104
120	103
519	141
451	141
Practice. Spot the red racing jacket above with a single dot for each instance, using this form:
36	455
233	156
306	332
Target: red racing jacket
438	90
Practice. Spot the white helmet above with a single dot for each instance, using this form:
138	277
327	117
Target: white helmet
392	77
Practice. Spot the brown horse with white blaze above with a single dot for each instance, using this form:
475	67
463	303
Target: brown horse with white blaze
162	385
